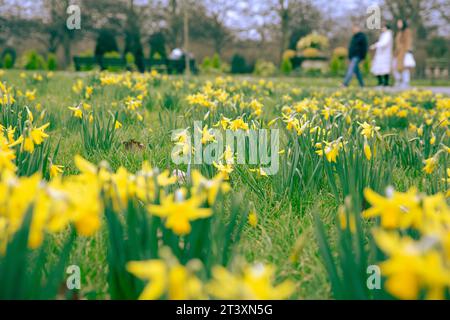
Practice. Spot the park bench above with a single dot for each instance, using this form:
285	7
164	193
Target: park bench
178	66
170	66
437	68
159	65
81	62
106	63
103	62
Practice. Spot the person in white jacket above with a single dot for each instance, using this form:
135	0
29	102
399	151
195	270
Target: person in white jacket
382	60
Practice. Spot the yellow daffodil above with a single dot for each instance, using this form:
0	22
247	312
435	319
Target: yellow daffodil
175	282
253	219
30	95
255	283
368	130
430	165
77	112
207	136
178	212
397	210
55	170
211	188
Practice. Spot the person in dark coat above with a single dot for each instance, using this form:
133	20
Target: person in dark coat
357	52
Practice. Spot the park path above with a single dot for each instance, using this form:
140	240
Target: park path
443	90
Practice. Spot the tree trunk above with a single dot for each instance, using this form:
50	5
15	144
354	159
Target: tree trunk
174	30
67	51
284	32
53	43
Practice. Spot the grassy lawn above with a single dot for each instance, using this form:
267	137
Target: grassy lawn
284	235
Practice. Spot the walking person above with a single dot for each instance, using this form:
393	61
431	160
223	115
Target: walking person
404	59
356	53
382	60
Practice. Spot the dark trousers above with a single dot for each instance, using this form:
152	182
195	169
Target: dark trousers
383	80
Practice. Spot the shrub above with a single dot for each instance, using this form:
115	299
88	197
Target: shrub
225	67
206	64
337	66
133	45
113	55
8	58
52	63
340	52
366	65
338	61
214	65
313	40
215	62
311	53
286	66
106	42
264	68
334	66
33	61
157	44
289	54
129	58
8	62
238	64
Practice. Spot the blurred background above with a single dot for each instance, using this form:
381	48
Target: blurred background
221	36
